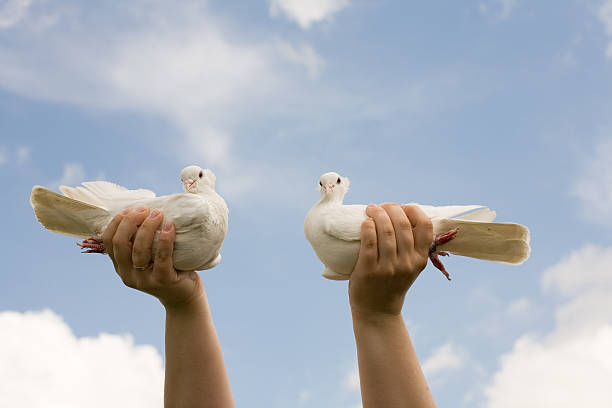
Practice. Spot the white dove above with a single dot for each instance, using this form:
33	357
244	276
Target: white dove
333	229
199	215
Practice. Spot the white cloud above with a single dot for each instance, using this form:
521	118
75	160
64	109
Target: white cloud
507	6
20	156
580	271
43	364
307	12
574	372
583	277
519	307
3	155
23	154
304	55
212	81
448	357
73	174
570	366
171	59
350	382
567	59
12	12
503	9
303	397
351	379
594	186
605	15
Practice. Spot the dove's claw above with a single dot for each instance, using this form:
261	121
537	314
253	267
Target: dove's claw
92	246
434	254
438	264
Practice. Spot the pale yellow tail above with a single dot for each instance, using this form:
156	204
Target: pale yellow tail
67	216
492	241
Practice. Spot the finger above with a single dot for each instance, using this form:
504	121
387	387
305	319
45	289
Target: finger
122	241
368	252
163	267
422	227
402	227
385	234
109	233
143	241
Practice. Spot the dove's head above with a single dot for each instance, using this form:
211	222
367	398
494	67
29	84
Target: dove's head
196	179
333	186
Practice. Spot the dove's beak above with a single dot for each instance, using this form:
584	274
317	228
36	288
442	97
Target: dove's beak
187	184
329	187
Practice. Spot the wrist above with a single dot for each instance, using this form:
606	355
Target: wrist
195	303
371	317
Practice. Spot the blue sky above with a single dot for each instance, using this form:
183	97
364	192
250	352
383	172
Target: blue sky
504	103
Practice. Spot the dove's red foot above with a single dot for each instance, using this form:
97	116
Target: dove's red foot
444	238
438	263
434	255
92	246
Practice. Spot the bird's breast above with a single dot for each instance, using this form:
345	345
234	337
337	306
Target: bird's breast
336	254
201	225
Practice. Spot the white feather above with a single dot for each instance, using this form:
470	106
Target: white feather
107	195
447	211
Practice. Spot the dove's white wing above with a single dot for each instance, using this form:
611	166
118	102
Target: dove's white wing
483	215
448	211
106	195
344	222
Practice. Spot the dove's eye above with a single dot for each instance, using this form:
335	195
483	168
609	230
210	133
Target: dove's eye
321	184
201	174
338	182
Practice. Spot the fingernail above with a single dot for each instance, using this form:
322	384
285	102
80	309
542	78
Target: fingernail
154	214
141	209
126	211
168	226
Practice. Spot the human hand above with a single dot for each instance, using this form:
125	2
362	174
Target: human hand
128	239
395	244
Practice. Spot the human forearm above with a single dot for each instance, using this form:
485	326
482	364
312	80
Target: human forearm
195	371
389	370
394	249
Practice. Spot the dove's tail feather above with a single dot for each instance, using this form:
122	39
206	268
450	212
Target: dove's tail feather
492	241
67	216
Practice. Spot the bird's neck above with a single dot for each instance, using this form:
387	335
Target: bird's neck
331	199
203	190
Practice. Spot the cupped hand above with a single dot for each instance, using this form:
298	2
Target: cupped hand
128	239
395	244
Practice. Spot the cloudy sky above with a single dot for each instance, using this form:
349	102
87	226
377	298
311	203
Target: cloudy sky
506	103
